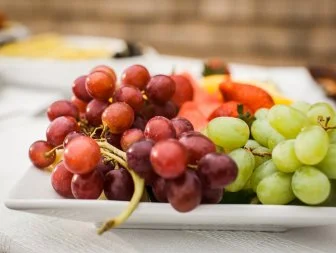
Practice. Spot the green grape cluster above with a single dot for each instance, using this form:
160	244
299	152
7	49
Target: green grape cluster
288	153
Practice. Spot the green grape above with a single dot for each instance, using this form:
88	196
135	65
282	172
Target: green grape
328	164
275	189
251	144
204	132
274	139
310	185
227	132
332	136
261	130
287	120
284	157
320	110
261	113
311	145
301	106
261	155
264	170
245	163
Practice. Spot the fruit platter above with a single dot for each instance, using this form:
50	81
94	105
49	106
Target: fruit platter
168	151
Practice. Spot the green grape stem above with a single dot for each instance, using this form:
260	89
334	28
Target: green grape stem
49	153
119	156
324	123
262	154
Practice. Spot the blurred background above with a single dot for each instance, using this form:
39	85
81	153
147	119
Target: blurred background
283	32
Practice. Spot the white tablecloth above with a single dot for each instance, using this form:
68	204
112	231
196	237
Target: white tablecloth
23	232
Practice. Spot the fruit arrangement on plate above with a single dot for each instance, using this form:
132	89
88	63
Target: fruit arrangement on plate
165	138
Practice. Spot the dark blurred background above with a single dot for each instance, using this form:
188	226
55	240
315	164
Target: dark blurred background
253	31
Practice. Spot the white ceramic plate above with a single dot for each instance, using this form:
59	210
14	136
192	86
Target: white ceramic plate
34	194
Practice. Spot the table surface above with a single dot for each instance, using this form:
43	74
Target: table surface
20	125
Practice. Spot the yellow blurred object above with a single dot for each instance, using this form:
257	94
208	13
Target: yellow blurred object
211	85
50	46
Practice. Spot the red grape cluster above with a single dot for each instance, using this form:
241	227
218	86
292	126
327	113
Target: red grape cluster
114	139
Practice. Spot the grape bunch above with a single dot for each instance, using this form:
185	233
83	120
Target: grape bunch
122	140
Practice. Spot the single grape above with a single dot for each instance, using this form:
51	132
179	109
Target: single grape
261	155
160	89
183	90
138	159
118	117
113	139
311	145
321	109
229	133
301	106
62	108
81	155
129	137
262	171
274	139
139	122
181	125
118	185
168	110
261	114
287	120
284	157
216	170
251	145
79	89
61	180
245	162
70	136
310	185
185	192
261	131
59	128
100	85
80	104
105	69
94	111
160	190
104	167
197	146
40	155
169	158
332	136
159	128
212	196
88	186
130	95
136	75
328	164
275	189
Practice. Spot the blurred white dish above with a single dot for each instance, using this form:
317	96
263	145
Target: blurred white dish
34	194
13	31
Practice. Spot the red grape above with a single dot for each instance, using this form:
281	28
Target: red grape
169	158
80	104
113	139
106	70
129	137
100	85
61	180
159	128
136	75
138	159
160	190
181	125
160	89
130	95
184	91
168	110
197	145
94	111
118	185
59	128
185	192
81	155
37	154
70	136
79	89
62	108
88	186
104	166
118	117
139	122
217	170
212	196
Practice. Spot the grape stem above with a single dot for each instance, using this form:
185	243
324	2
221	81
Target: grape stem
50	152
325	126
262	154
139	185
191	166
95	130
